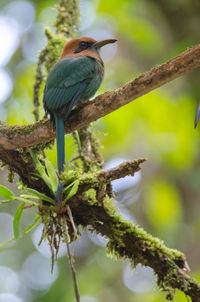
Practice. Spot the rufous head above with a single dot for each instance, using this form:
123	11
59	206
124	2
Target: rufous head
84	46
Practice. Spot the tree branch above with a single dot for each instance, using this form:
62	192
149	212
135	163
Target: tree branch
12	137
129	241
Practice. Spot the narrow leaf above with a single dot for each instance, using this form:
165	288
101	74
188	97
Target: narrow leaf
41	170
30	227
5	201
68	187
73	190
27	200
16	221
41	196
6	193
52	174
6	242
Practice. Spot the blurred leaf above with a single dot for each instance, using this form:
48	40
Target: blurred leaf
5	201
163	205
52	174
16	221
6	193
73	190
41	170
41	196
30	227
6	242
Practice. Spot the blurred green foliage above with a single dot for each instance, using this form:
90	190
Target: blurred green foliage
159	126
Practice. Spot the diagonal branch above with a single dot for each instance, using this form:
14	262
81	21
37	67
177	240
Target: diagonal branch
12	137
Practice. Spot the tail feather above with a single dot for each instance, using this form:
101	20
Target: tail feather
60	137
197	116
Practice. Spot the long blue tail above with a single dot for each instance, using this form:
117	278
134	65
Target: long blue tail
60	138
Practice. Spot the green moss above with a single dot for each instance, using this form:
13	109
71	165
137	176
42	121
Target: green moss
90	197
54	48
67	21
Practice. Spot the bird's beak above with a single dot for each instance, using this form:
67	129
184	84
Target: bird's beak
103	42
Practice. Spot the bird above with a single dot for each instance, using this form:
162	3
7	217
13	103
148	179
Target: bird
74	78
197	116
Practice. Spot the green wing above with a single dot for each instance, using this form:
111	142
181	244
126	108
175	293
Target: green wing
67	80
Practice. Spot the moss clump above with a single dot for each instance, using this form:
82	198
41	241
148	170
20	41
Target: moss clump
67	21
90	197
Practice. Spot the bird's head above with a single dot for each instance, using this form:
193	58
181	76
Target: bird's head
84	46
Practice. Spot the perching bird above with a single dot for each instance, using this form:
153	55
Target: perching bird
197	116
74	78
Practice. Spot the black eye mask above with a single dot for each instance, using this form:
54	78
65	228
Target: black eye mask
83	46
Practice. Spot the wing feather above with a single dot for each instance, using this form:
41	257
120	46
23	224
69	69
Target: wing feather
66	79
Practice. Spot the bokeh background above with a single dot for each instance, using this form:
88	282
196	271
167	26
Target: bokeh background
164	198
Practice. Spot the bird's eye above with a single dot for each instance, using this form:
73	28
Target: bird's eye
83	45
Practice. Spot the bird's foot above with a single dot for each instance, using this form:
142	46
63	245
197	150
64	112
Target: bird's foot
59	192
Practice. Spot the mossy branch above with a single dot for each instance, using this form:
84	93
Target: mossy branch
67	21
12	137
91	205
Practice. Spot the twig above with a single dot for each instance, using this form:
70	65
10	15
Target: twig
12	137
71	260
122	170
72	221
38	82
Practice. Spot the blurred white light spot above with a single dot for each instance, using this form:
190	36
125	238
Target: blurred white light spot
23	12
81	246
125	213
48	16
88	299
87	14
44	248
9	38
36	272
97	239
9	280
6	227
10	298
11	258
6	85
3	113
33	41
125	182
139	280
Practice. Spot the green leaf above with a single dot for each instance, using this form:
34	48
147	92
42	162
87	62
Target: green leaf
30	227
69	186
6	242
17	227
77	139
28	200
16	221
5	201
6	193
52	174
41	170
73	190
41	196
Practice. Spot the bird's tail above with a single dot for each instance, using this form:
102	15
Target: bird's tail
60	138
197	116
